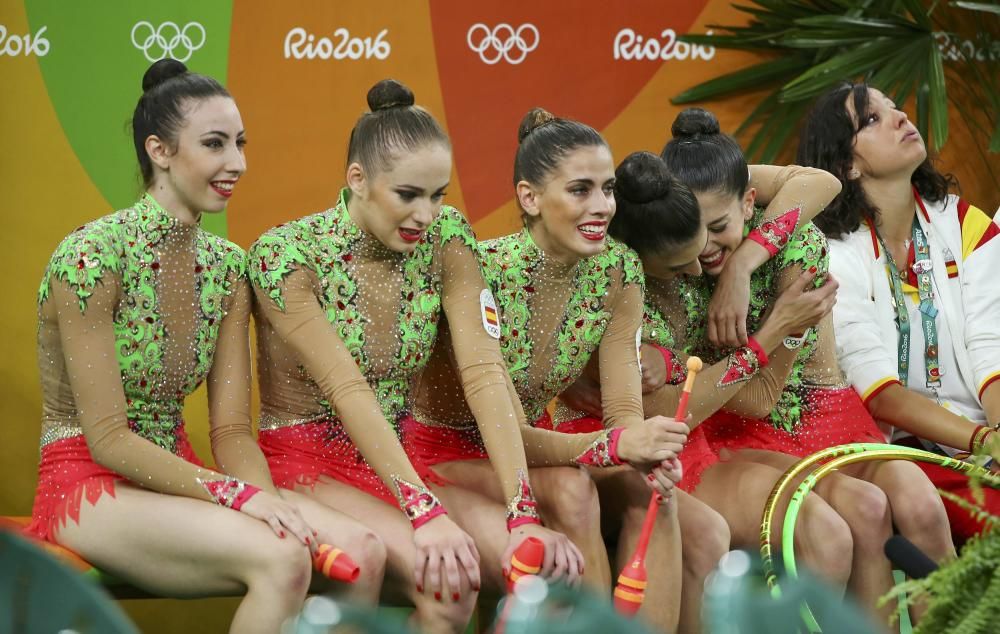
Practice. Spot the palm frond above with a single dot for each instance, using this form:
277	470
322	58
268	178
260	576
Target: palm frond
811	45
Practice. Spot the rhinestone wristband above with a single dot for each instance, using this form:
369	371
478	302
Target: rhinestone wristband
603	451
522	509
419	504
229	492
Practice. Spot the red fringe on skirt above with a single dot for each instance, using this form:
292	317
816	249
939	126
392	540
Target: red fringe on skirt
67	474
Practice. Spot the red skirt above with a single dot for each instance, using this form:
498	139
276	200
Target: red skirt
300	454
830	417
432	444
67	474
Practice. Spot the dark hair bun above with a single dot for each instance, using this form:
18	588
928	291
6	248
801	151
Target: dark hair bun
536	117
692	123
642	177
161	71
389	93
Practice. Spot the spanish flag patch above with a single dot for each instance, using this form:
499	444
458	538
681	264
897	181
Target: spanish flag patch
950	265
491	317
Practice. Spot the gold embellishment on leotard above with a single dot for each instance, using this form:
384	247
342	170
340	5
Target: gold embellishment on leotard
269	422
59	432
457	421
522	508
419	504
564	413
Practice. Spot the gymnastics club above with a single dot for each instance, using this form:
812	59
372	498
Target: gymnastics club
527	560
335	564
630	591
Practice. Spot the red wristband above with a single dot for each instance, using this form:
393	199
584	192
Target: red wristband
774	234
229	492
676	371
603	452
762	359
979	438
522	508
419	504
742	363
241	498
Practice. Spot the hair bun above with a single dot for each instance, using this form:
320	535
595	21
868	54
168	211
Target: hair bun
535	118
389	93
642	177
161	71
692	123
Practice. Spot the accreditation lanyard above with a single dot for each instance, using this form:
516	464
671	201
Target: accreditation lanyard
922	268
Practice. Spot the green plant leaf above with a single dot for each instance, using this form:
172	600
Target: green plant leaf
762	109
751	77
853	63
938	98
897	77
922	116
858	25
918	10
893	44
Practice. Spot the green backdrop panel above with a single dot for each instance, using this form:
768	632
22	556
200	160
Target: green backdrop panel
93	72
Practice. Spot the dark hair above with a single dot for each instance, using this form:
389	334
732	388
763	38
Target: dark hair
544	140
827	142
166	87
393	124
702	157
655	210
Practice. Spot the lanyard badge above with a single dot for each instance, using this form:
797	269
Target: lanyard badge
922	268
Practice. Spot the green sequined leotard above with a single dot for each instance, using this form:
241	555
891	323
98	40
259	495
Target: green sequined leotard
553	317
345	324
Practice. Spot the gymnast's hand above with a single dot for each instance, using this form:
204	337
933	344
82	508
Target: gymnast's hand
444	550
654	368
659	438
281	515
727	311
798	309
563	560
584	395
664	477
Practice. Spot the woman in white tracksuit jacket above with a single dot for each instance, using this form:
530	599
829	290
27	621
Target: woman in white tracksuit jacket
918	313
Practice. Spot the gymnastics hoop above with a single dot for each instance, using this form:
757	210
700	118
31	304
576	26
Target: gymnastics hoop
839	456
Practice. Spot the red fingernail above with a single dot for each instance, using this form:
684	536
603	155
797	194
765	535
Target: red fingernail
420	588
281	534
437	596
315	534
455	597
476	587
308	542
649	476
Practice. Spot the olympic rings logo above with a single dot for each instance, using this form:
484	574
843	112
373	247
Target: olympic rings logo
502	42
160	42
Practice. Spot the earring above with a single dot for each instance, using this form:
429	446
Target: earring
853	174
